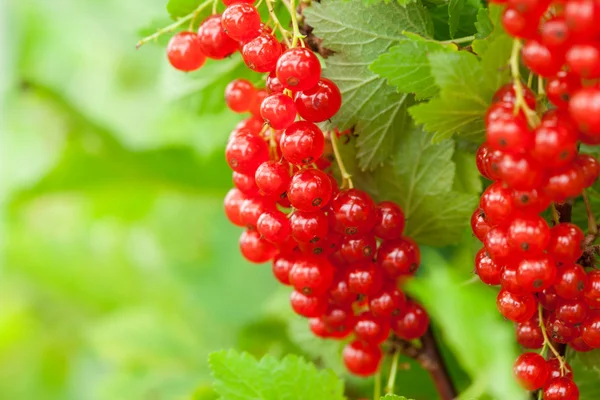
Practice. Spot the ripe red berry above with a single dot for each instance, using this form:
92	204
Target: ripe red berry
273	85
339	320
554	146
245	183
579	345
529	202
282	265
590	168
319	103
570	281
399	257
529	334
389	222
536	274
362	359
388	301
555	369
540	59
518	24
507	94
309	307
233	201
508	132
371	329
353	212
590	331
564	184
241	22
497	204
582	17
252	208
496	245
355	249
239	95
561	389
214	42
302	143
273	178
340	293
566	242
412	323
516	307
365	278
509	281
309	227
520	171
554	33
571	311
584	108
261	53
184	52
584	60
298	69
479	224
312	276
548	298
591	291
560	331
278	110
531	371
256	249
310	190
528	235
481	159
560	88
274	226
318	328
488	271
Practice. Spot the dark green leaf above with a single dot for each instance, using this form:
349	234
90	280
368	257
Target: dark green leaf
455	8
394	397
359	34
484	24
238	376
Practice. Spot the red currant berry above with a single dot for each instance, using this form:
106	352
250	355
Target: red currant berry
555	369
302	143
479	225
399	257
353	212
591	291
508	280
508	133
257	101
273	178
520	171
564	184
278	110
340	293
554	146
530	201
561	389
560	88
481	159
584	60
261	53
560	331
355	249
554	34
571	311
364	278
362	359
548	298
528	234
245	183
214	42
310	190
497	204
566	243
530	7
233	201
412	323
319	103
273	84
318	328
252	208
311	275
582	17
298	69
371	329
531	371
590	168
529	334
536	274
519	25
241	22
579	345
496	245
540	59
570	281
590	331
184	52
339	320
309	227
584	108
239	95
389	222
274	226
282	265
230	2
388	301
309	307
488	271
507	94
516	307
256	249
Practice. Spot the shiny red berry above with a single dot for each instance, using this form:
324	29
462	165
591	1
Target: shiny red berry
529	334
516	307
274	226
278	110
273	178
308	306
319	103
355	249
390	221
399	257
302	143
232	203
365	278
241	22
309	227
282	265
560	88
528	235
566	242
252	208
310	190
412	323
540	59
214	42
584	108
590	168
584	60
488	271
256	249
311	275
371	329
537	273
298	69
388	301
531	371
479	224
561	389
571	312
497	204
261	53
362	359
570	281
184	52
590	331
353	212
591	291
239	95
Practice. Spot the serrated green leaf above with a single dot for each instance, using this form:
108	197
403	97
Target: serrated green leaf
467	178
420	178
484	24
239	376
463	99
469	338
406	65
494	62
455	8
359	34
488	27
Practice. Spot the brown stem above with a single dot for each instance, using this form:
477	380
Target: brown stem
430	358
564	211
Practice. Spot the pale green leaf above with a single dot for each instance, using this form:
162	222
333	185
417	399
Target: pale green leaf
394	397
488	26
359	34
494	62
181	8
467	178
239	376
406	65
586	371
484	24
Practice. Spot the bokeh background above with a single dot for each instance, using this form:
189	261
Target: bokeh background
120	272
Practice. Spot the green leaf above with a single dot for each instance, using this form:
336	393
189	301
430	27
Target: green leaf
494	62
586	370
394	397
484	24
488	26
455	8
238	376
464	97
406	65
420	178
376	109
469	338
181	8
467	178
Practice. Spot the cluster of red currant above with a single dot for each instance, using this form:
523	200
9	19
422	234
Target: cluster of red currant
534	264
562	43
343	254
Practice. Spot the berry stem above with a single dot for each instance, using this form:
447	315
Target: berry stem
389	388
214	7
548	343
377	383
170	28
284	32
346	177
460	40
296	29
520	103
592	224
